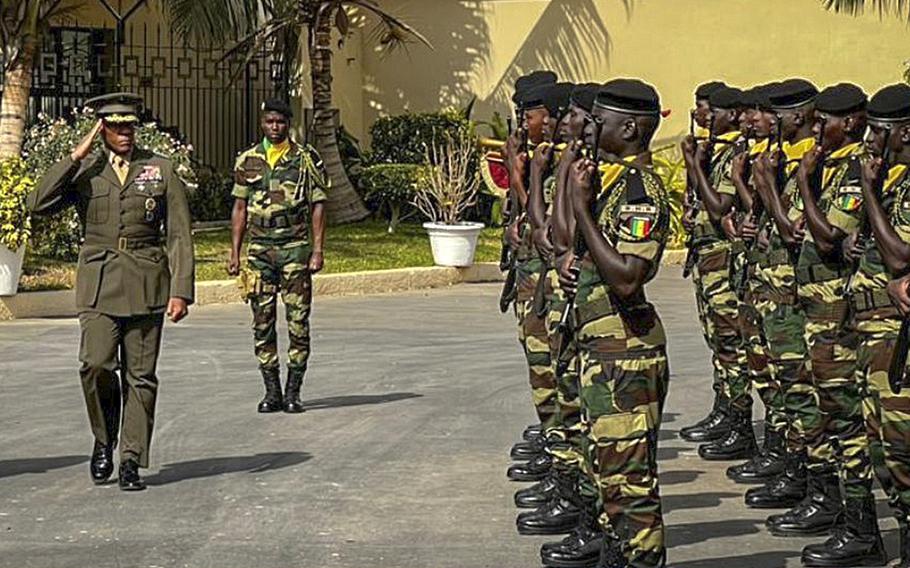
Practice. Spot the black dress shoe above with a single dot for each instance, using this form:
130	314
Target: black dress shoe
559	516
715	426
532	431
528	450
739	443
534	470
816	514
536	495
102	463
575	551
129	477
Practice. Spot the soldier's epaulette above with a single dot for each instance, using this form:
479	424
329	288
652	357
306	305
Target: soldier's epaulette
641	185
854	174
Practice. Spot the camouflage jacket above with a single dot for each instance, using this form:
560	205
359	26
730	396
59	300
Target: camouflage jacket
279	198
634	216
706	232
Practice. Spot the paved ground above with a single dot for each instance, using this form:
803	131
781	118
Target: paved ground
399	462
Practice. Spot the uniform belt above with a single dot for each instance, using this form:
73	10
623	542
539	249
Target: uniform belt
278	221
828	312
819	273
871	299
775	257
128	243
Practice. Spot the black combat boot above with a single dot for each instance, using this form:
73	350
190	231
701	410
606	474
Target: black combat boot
532	431
528	449
856	543
611	553
712	427
766	465
292	403
816	514
534	470
739	443
536	495
784	491
272	401
904	543
559	515
581	549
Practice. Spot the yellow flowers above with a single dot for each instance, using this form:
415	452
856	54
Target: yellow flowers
15	185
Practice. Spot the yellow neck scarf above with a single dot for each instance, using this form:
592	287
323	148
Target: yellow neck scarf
610	172
895	174
274	152
796	151
726	140
835	158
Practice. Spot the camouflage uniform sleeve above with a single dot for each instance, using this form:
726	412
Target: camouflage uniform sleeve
321	185
725	184
643	230
241	187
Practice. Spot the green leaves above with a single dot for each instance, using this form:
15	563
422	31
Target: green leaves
15	185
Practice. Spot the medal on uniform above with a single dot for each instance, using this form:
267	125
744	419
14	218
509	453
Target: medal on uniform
150	209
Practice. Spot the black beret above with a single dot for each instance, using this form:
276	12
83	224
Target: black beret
726	98
703	92
556	98
748	98
891	104
530	81
628	96
841	99
791	93
279	106
583	95
761	95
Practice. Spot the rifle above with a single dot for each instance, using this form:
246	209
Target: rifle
692	194
565	325
898	366
758	206
818	176
539	305
507	255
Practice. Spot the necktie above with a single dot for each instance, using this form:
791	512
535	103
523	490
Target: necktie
121	169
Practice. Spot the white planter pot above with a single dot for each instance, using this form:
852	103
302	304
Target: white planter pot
10	268
453	245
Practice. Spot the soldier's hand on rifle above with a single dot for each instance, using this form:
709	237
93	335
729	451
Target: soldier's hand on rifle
541	159
233	267
900	295
688	219
580	187
852	247
541	239
748	229
728	224
568	275
513	237
738	166
688	147
519	164
701	154
872	169
811	160
84	148
512	145
763	241
799	230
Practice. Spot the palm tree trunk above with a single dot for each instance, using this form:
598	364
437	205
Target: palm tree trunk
344	204
17	83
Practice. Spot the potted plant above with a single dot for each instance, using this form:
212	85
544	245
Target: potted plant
448	188
15	184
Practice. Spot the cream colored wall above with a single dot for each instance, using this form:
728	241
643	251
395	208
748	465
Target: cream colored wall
481	46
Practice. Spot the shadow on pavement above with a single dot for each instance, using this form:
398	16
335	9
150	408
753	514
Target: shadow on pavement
694	533
357	400
678	477
775	559
211	467
694	500
9	468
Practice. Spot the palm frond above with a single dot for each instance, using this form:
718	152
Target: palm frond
390	32
899	8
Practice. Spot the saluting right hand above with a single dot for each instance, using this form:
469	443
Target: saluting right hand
84	148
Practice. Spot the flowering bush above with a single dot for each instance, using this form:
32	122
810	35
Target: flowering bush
15	184
50	140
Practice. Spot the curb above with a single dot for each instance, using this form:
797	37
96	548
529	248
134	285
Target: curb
61	303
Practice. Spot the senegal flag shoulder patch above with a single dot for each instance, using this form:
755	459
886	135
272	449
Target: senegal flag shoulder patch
637	221
849	199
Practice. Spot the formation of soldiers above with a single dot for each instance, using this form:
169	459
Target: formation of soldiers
797	211
136	265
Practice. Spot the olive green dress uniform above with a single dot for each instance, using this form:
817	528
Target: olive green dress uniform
136	255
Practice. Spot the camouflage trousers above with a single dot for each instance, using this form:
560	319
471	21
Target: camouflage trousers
762	377
887	414
622	398
784	326
712	277
832	356
535	340
570	449
281	269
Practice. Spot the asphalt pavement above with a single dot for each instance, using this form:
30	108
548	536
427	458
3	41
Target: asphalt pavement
413	401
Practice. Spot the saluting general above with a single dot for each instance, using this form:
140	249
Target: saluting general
135	265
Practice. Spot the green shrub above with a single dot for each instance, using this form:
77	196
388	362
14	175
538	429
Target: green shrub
15	184
50	140
404	139
391	187
670	166
210	198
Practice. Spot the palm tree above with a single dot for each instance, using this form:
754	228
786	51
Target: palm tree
883	7
281	24
22	23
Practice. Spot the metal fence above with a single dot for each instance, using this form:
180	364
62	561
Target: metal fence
189	89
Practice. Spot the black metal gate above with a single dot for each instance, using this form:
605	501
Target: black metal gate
187	88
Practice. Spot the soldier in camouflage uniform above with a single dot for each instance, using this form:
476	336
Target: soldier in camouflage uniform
709	163
829	188
279	192
620	339
886	195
